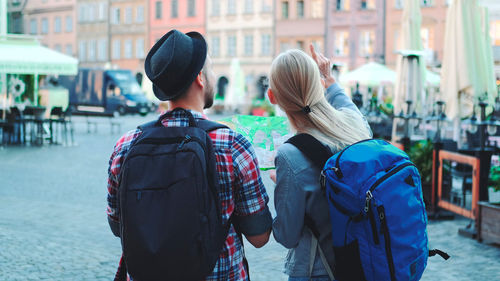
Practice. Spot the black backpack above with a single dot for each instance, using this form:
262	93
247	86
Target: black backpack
171	224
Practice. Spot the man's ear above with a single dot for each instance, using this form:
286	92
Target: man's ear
271	96
199	80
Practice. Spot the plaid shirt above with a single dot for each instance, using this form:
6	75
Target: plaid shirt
242	190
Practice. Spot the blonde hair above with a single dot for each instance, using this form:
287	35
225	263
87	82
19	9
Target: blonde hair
296	83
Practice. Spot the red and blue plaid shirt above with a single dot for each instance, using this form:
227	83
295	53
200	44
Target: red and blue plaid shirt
242	190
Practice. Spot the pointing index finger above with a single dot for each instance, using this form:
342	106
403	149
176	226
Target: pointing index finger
313	52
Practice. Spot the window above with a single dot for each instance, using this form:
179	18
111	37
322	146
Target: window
115	16
248	6
45	26
284	10
300	45
231	7
341	43
158	10
174	9
215	46
399	4
191	8
101	14
128	15
317	9
495	32
139	48
57	25
33	27
367	4
92	50
366	43
284	46
102	50
82	50
116	49
300	9
215	7
266	6
69	24
81	13
231	46
69	50
427	38
248	45
426	3
127	49
343	5
92	13
139	14
57	48
265	44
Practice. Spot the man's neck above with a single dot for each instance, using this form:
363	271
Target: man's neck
182	104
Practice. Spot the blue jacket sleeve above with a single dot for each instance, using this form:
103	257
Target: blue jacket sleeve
290	204
335	95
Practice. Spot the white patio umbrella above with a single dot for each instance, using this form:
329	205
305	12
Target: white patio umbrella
467	72
410	67
371	74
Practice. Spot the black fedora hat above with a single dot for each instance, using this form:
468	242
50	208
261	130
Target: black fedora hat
174	61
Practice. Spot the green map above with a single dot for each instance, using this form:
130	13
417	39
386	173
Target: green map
265	133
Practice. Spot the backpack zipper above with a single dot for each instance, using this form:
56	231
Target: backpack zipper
387	238
371	216
391	173
186	139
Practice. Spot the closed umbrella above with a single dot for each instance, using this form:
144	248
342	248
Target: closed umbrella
410	67
467	66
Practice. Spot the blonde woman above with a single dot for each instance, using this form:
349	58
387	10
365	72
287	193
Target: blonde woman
297	86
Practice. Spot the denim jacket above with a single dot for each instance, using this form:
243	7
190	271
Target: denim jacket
298	192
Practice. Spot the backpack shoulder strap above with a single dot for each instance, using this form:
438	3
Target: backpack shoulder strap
208	125
312	148
150	124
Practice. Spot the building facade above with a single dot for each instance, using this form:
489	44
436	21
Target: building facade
240	35
356	31
300	23
184	15
15	16
432	29
53	21
93	29
129	31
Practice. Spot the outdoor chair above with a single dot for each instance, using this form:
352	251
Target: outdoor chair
34	116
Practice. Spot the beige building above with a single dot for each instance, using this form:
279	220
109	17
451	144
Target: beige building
129	34
53	21
300	23
93	33
241	32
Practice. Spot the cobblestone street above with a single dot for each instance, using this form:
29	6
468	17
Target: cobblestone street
53	223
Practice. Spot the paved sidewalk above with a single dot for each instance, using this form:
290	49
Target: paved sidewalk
53	224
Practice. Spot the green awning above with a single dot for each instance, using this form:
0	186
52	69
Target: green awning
22	55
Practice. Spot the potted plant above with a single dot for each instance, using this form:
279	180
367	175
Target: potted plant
489	212
421	155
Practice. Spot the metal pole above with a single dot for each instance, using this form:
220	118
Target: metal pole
3	34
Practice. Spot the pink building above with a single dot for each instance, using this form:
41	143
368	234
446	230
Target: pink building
355	33
54	22
299	23
183	15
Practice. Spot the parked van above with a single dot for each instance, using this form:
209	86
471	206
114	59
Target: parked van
113	91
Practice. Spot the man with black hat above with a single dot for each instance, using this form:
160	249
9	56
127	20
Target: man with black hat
180	69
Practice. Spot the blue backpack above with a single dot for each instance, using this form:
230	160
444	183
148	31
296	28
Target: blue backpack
376	209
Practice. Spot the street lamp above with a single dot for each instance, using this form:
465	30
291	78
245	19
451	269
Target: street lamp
407	121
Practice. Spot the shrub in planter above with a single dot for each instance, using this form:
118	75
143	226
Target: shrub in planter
494	184
421	155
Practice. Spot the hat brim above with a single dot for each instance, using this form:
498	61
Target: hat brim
194	68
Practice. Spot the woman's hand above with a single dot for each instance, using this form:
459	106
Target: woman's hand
272	175
324	67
